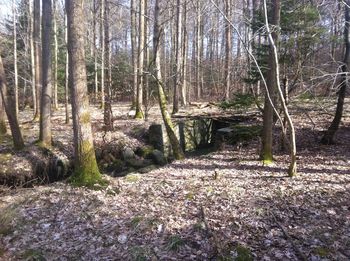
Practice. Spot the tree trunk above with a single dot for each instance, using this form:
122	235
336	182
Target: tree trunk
15	65
328	137
177	151
8	99
141	55
3	128
32	56
183	86
133	50
66	85
108	116
55	67
45	136
268	121
273	40
103	53
228	48
86	170
178	62
37	57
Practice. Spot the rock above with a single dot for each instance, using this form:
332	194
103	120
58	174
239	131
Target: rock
128	153
155	136
158	158
131	113
138	163
147	169
144	151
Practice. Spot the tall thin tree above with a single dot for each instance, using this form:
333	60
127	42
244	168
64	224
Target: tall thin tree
37	56
45	108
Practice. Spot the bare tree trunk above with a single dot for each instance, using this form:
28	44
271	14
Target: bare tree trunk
86	170
267	140
141	55
15	65
66	86
8	99
183	86
3	128
198	50
103	53
108	116
95	54
37	56
328	137
273	40
228	48
32	55
177	151
45	136
55	67
178	62
133	50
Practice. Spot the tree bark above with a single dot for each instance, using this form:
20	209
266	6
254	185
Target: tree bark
86	170
273	40
15	65
37	56
103	53
228	48
3	128
177	151
328	137
268	121
133	50
32	56
45	136
141	55
178	63
55	67
66	85
8	99
108	116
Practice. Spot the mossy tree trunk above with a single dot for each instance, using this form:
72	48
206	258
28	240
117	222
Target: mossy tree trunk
45	135
328	137
8	99
177	151
86	170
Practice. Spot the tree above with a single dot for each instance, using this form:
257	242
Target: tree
86	171
55	64
328	137
37	56
177	151
228	48
133	49
140	65
270	96
2	117
45	136
14	21
8	100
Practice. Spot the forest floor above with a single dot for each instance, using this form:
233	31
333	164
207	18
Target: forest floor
224	205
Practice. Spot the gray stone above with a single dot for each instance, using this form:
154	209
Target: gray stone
147	169
128	153
155	134
158	158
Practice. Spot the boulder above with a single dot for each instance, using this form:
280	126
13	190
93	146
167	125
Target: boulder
158	157
128	153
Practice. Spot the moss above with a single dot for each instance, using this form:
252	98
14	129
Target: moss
138	253
2	127
87	172
32	254
136	221
85	117
321	251
243	254
132	178
139	115
7	215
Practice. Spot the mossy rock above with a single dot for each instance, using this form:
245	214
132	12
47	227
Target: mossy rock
144	151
